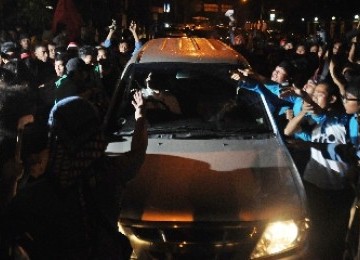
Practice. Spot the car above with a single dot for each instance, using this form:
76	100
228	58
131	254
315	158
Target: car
218	181
219	31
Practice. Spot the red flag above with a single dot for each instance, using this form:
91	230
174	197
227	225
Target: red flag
66	13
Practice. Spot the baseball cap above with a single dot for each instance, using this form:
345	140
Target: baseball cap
8	47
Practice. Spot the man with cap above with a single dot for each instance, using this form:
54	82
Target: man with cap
8	52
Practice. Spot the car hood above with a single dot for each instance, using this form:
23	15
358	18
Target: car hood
213	180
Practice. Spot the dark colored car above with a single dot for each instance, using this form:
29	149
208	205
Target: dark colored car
218	181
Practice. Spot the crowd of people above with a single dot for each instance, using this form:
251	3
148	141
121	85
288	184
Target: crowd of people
59	193
54	93
313	91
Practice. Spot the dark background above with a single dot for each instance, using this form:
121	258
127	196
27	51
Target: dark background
32	13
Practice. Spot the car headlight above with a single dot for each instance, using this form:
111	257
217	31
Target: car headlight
279	237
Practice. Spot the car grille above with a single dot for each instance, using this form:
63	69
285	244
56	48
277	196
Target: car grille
176	234
197	241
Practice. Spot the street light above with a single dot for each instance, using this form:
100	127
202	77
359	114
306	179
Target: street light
166	8
272	17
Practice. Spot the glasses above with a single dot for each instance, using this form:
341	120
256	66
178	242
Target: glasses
345	99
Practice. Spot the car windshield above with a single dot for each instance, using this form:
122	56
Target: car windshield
191	101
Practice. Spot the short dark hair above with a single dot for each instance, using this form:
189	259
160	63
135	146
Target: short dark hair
75	64
24	36
353	87
40	45
86	50
62	56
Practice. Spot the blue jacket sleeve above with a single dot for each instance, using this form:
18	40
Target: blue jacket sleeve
107	43
138	46
270	92
303	135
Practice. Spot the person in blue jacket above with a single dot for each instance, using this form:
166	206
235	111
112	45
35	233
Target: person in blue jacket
329	194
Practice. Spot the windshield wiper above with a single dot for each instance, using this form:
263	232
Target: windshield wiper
203	133
189	132
158	130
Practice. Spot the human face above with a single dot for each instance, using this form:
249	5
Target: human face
351	103
321	96
123	47
41	53
150	83
309	87
282	43
101	55
300	50
87	59
38	162
239	39
279	75
321	52
51	49
314	48
25	43
59	68
288	46
336	47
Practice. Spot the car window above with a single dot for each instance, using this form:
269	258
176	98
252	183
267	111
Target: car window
193	99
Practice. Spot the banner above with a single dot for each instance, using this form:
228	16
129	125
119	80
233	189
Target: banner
67	14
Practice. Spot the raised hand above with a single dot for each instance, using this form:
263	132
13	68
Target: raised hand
132	27
139	105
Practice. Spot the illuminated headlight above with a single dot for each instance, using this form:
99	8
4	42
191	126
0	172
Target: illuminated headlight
279	237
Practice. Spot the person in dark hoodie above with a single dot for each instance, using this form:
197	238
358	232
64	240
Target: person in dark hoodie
72	212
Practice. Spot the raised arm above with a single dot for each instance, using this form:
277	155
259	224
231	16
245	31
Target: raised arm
352	51
308	106
131	161
132	29
340	83
112	29
293	126
140	139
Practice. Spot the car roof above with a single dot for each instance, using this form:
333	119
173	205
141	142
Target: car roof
185	49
